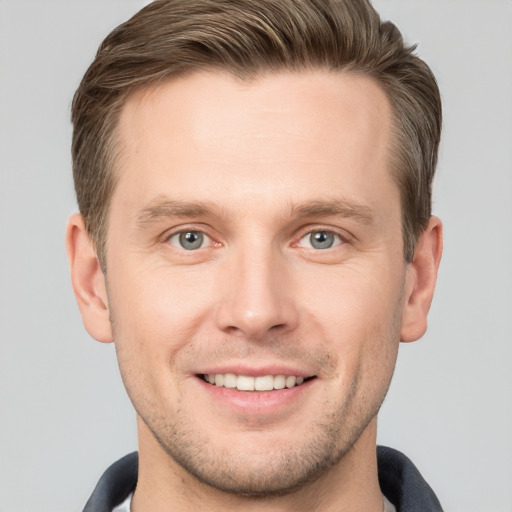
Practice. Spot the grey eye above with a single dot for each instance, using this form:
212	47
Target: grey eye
320	240
188	240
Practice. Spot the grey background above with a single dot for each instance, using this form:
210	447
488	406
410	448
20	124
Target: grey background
64	415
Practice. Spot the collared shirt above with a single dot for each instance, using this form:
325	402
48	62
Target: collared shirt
399	480
125	506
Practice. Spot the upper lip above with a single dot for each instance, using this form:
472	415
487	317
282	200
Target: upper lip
255	371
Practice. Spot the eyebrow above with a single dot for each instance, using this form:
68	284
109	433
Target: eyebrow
335	208
162	208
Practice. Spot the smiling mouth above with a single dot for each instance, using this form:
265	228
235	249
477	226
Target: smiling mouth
248	383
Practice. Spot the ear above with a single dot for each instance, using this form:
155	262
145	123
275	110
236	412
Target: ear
421	281
88	280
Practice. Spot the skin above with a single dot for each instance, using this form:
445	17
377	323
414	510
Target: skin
256	168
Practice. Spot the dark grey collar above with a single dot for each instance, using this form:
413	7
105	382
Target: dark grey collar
399	480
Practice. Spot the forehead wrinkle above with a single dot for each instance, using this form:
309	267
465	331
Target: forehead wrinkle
334	207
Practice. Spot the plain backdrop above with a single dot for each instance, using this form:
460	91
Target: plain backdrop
64	416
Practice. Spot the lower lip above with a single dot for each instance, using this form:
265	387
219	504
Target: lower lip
257	402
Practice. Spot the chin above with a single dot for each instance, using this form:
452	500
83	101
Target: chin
270	468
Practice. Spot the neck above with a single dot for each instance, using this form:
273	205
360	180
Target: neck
351	484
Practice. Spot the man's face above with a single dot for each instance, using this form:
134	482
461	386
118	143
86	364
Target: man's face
255	241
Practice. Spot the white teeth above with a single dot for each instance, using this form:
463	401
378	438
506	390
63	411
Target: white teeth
291	381
264	383
247	383
244	383
279	382
230	380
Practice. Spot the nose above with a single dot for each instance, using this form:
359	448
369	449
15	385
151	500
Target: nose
257	298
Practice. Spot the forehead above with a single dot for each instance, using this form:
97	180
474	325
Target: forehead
303	133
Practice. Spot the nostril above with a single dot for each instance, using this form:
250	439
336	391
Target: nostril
231	329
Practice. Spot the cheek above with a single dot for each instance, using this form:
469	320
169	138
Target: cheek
156	316
355	297
358	313
160	303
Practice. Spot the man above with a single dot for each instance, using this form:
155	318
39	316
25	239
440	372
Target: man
255	235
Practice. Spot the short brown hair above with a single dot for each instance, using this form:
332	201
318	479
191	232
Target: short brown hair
245	38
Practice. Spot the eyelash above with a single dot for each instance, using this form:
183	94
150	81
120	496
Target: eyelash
338	239
209	240
341	237
193	229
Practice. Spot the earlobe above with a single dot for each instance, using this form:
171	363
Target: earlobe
421	281
88	280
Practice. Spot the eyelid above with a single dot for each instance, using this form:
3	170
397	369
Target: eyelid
308	230
178	230
206	239
336	243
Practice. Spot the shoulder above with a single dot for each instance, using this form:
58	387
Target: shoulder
402	483
116	483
